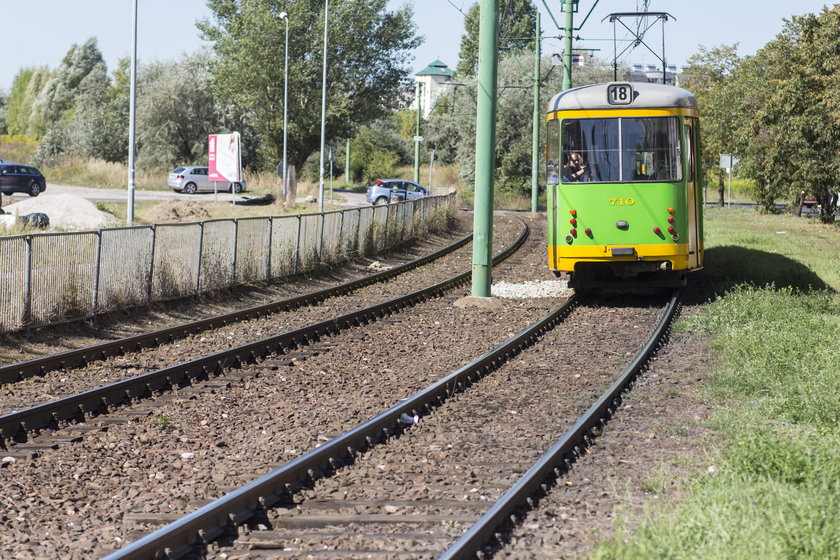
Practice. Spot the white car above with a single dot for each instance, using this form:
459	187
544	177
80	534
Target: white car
193	178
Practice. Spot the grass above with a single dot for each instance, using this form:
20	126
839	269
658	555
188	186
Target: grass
774	321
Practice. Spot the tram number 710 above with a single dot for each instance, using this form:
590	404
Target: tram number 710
620	94
622	201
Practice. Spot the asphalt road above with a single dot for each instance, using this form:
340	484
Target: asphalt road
121	195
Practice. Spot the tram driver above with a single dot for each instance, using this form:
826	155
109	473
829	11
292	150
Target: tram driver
575	168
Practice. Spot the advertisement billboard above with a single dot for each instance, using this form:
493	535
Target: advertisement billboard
224	157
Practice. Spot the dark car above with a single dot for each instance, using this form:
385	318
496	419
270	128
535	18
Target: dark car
16	177
385	190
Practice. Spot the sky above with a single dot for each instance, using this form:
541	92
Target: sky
39	32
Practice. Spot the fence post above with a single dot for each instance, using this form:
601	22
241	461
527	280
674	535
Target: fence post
151	265
235	247
268	256
321	238
341	236
387	221
297	244
198	258
96	268
359	232
27	283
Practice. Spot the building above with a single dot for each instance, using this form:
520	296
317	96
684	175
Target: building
653	75
430	80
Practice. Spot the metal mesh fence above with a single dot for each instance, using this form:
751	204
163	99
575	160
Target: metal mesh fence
125	268
14	281
53	277
309	242
252	246
284	236
175	269
218	254
63	270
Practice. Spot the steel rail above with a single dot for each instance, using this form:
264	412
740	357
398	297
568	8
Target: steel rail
179	538
82	356
483	531
76	407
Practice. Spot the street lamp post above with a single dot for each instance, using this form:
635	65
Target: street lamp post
284	15
131	116
323	110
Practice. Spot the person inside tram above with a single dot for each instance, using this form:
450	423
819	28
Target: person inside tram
575	168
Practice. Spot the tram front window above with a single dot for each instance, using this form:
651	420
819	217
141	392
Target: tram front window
622	149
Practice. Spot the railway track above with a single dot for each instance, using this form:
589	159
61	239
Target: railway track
440	474
18	425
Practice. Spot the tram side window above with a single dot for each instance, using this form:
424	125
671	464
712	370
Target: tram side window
552	153
621	149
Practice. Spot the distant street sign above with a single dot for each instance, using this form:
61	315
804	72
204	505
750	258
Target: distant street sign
418	138
728	161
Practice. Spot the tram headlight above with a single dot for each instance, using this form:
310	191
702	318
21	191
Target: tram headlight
569	239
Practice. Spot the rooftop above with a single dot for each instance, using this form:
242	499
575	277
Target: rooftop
436	68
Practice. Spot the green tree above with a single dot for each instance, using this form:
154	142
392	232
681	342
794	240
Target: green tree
707	75
176	110
368	51
451	131
4	110
81	70
26	87
786	114
98	127
516	32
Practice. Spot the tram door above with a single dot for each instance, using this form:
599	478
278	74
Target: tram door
692	211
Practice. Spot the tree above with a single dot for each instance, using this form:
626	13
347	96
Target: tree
80	68
4	110
176	111
706	75
516	33
26	87
98	127
787	114
451	132
368	51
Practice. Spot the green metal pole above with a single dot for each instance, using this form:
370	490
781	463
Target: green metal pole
568	29
347	163
485	143
535	144
417	137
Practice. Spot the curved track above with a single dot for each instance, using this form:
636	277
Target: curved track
420	525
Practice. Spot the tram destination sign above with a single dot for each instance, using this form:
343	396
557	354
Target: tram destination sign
620	94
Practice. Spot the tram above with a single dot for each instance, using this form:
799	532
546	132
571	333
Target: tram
623	181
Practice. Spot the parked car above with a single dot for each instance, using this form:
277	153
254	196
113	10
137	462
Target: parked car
385	190
16	177
192	178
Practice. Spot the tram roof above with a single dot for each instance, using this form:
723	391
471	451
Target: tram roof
647	96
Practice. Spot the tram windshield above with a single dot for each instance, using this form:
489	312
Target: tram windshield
621	149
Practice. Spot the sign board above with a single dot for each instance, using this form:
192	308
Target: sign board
728	161
418	138
224	157
620	94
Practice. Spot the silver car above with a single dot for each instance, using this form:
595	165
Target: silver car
193	178
398	190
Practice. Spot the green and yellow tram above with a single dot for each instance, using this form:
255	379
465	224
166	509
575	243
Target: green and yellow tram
623	185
